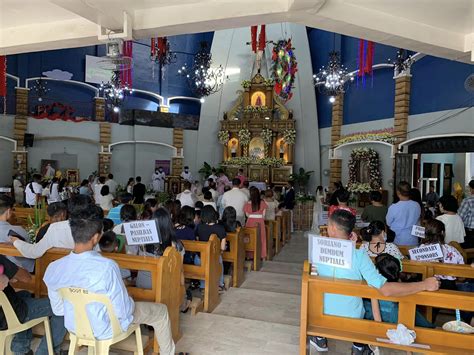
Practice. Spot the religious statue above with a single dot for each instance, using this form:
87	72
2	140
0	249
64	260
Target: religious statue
282	150
233	149
363	171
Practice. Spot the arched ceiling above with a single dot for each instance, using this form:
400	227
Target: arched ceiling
444	28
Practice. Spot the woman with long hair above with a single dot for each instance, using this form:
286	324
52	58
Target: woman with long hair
229	220
255	212
130	184
375	241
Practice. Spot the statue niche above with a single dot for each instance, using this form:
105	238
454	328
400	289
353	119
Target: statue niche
362	167
258	99
257	148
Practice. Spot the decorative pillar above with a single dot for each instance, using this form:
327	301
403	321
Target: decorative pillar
177	161
104	155
99	109
402	106
337	117
20	127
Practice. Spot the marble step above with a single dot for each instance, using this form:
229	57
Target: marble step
219	334
281	308
279	267
267	281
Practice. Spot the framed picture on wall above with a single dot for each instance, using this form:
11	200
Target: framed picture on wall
48	168
72	176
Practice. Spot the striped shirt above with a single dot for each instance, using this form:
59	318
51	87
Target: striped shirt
466	212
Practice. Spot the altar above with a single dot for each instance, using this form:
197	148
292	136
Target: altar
258	134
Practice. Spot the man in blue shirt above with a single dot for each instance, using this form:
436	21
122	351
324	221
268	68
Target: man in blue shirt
114	213
88	269
340	226
403	215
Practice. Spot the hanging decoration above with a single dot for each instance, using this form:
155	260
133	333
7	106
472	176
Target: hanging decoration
40	88
160	51
402	62
284	68
364	161
3	81
202	79
332	80
126	72
114	91
365	59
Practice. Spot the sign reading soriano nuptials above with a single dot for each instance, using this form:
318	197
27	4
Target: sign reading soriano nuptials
141	232
332	252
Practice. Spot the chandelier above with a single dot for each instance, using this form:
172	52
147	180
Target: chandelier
402	62
160	52
202	79
114	92
41	88
332	79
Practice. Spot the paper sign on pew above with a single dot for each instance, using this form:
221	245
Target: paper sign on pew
141	232
418	231
323	218
331	252
426	253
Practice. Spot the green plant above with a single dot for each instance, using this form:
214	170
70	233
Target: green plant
206	170
301	178
39	219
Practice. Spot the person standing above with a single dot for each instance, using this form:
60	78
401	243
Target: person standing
403	215
453	224
54	191
139	191
186	175
255	212
466	212
289	199
432	197
158	179
112	184
98	188
241	176
187	198
237	199
376	211
33	191
18	190
213	176
130	184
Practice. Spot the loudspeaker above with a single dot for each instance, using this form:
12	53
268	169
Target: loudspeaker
28	140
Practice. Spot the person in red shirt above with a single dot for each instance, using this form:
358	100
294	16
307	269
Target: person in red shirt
241	176
342	199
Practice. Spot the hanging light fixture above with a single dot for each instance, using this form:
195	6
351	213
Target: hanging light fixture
202	79
402	62
331	80
41	88
114	92
160	52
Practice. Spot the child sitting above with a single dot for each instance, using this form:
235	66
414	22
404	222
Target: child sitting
387	311
375	241
109	243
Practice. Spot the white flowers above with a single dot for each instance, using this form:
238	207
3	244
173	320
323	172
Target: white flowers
244	137
289	136
267	135
223	137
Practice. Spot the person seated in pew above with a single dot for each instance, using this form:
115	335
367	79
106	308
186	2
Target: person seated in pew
184	229
151	205
389	266
108	224
128	213
197	213
57	212
7	232
109	243
114	213
208	200
173	207
229	220
375	241
453	224
86	268
59	233
272	205
204	230
340	226
26	308
342	199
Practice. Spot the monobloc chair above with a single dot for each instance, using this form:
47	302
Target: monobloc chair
79	298
15	327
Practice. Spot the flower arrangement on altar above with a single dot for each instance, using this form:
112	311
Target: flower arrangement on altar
267	135
246	84
223	137
284	68
289	136
240	161
244	137
373	166
383	135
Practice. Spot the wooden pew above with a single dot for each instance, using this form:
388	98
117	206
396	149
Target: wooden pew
21	214
253	244
286	219
210	269
166	281
269	236
236	256
315	322
282	234
276	233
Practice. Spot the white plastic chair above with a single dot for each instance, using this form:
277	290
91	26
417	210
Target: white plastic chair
79	298
15	327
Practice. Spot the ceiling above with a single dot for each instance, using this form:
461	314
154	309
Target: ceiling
443	28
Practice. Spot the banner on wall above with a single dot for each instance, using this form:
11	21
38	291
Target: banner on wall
95	74
165	164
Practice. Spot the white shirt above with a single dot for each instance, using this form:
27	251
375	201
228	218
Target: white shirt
187	198
106	202
454	228
31	195
213	177
210	203
97	194
237	199
246	192
112	184
215	194
54	194
187	176
91	271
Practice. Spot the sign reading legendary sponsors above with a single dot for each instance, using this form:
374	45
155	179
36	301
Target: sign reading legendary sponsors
141	232
332	252
418	231
426	253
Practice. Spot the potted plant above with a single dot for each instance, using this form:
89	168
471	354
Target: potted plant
301	179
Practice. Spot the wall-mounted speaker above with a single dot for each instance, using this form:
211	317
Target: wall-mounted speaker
28	140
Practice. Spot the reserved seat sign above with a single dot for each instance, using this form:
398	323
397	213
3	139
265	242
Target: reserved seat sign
418	231
426	253
332	252
141	232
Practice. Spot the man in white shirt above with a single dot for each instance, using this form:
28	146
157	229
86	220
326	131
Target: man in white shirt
213	176
88	269
187	198
237	199
97	188
186	175
112	184
33	190
18	190
213	189
245	188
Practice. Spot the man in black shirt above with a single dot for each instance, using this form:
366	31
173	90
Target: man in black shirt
139	191
26	308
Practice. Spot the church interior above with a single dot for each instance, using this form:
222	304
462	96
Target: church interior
331	102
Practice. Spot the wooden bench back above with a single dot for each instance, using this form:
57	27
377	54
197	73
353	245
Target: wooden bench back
236	256
21	214
315	322
210	269
275	230
427	269
253	244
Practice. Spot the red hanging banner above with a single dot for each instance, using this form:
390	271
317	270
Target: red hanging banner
3	76
262	38
253	35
